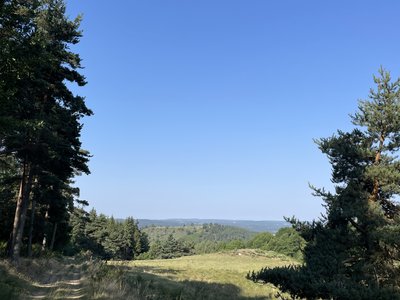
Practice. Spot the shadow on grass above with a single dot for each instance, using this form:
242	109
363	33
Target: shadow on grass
152	270
10	285
15	286
40	279
142	283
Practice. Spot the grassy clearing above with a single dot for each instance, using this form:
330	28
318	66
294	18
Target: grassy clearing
209	276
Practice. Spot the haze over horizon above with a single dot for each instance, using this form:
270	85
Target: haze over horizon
208	109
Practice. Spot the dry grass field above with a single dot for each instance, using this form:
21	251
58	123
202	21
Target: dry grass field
209	276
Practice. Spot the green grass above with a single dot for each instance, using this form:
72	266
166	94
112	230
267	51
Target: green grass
208	276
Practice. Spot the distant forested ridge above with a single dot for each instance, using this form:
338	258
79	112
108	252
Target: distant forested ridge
255	226
199	233
210	238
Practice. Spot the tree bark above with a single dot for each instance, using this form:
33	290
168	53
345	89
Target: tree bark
44	242
32	221
20	214
31	228
375	190
18	209
53	237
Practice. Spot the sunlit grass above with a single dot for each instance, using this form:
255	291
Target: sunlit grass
44	278
208	276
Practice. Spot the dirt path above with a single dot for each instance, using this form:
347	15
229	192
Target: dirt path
59	281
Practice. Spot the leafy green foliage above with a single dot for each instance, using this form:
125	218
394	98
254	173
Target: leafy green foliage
260	240
287	241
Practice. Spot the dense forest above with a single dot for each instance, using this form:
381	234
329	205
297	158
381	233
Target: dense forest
251	225
210	238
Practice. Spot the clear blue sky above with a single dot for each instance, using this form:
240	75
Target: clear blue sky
208	108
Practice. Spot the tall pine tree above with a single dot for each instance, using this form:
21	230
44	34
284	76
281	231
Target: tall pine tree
354	251
39	116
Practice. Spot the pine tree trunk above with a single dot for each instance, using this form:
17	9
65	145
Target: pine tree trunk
32	221
53	237
17	217
375	190
44	242
20	215
31	228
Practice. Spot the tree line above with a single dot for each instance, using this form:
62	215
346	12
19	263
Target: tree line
170	242
100	236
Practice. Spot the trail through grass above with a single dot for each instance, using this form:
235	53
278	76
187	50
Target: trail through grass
44	279
218	276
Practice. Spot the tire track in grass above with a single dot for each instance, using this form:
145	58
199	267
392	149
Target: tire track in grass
62	281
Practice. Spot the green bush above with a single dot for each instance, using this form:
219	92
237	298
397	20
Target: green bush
287	241
260	240
169	248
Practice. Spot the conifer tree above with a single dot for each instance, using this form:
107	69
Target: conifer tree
353	252
39	116
79	221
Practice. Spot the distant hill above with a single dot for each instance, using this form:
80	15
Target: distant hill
198	233
255	226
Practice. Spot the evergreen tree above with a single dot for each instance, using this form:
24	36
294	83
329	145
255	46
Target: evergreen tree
144	243
105	237
96	232
170	248
8	188
353	252
114	242
135	241
78	221
39	116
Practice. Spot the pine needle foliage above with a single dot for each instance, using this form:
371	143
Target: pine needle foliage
353	251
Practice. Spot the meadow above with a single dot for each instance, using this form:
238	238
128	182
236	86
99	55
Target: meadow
208	276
